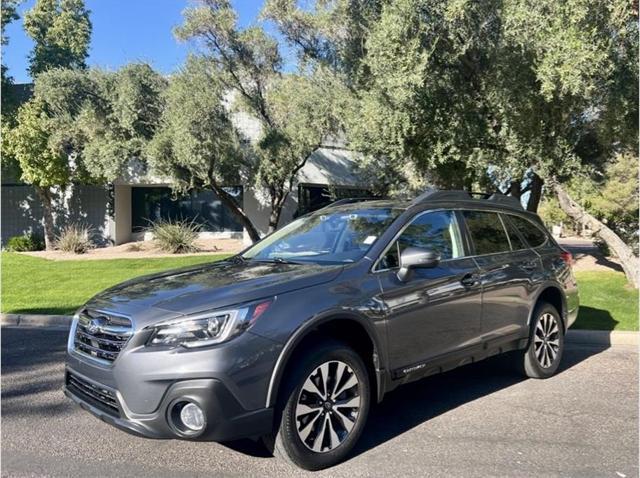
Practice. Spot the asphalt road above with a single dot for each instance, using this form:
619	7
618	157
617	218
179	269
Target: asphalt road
480	420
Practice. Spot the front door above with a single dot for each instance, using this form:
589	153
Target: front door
436	310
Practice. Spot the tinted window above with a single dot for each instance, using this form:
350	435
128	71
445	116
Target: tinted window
437	231
532	233
516	241
487	232
151	204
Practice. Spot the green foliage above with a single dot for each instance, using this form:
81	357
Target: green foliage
458	87
42	162
175	236
75	238
196	144
247	62
61	31
25	243
8	14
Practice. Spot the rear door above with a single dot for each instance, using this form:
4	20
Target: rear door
437	310
509	271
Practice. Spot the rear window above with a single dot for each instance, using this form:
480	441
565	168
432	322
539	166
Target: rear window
531	232
489	237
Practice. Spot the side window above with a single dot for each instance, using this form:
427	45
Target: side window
487	232
516	241
532	233
437	231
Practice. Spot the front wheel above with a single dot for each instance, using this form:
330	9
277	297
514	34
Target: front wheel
325	406
542	358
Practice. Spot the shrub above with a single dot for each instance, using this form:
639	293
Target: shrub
26	242
75	238
175	236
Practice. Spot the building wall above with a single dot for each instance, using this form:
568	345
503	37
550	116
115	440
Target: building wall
21	210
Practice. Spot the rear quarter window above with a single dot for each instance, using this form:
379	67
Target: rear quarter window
487	232
531	232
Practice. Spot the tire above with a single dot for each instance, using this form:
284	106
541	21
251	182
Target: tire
302	439
542	357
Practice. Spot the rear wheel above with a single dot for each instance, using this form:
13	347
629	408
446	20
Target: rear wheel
542	358
324	408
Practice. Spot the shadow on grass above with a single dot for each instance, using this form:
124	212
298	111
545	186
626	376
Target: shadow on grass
43	310
594	319
413	404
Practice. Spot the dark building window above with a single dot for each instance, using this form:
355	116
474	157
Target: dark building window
312	197
150	204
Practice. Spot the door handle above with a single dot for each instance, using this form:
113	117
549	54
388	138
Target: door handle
469	280
529	265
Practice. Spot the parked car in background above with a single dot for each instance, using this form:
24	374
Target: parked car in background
293	339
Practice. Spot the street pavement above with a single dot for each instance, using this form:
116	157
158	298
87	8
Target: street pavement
481	420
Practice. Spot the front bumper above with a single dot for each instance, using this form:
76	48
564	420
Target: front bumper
138	391
225	417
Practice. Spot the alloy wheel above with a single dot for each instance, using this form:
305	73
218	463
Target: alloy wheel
327	406
547	340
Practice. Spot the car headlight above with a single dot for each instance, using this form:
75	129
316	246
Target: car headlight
207	328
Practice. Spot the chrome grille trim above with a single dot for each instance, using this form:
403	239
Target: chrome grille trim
101	335
93	393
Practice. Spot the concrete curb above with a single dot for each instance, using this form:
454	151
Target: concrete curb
586	337
603	337
35	320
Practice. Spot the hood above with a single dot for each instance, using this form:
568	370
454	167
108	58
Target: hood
189	290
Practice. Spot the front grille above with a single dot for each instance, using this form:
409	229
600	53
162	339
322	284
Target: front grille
101	335
95	394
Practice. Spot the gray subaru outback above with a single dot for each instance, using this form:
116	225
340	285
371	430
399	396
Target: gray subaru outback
293	339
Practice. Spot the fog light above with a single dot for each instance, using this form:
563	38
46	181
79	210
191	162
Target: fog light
192	417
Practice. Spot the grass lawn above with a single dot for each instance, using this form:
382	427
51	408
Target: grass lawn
40	286
606	301
32	285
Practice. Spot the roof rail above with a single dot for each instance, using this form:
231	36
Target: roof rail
460	195
341	202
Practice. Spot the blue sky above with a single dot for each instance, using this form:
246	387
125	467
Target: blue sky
125	31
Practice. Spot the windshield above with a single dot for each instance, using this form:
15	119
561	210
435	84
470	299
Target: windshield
329	237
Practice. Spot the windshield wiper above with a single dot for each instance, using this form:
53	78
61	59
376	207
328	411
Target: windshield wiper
279	260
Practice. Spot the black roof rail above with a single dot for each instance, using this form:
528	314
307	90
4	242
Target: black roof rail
460	195
341	202
442	195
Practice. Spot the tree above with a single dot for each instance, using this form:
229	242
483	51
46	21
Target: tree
42	164
628	260
61	31
8	14
250	66
84	126
196	144
478	93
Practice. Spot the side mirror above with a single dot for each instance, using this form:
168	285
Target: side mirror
413	257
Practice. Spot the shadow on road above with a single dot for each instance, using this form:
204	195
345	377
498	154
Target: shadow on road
413	404
25	351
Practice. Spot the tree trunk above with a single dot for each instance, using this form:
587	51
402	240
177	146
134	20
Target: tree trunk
515	189
237	211
44	193
536	193
628	259
277	203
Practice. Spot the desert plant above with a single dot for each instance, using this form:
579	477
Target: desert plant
26	242
175	236
75	238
